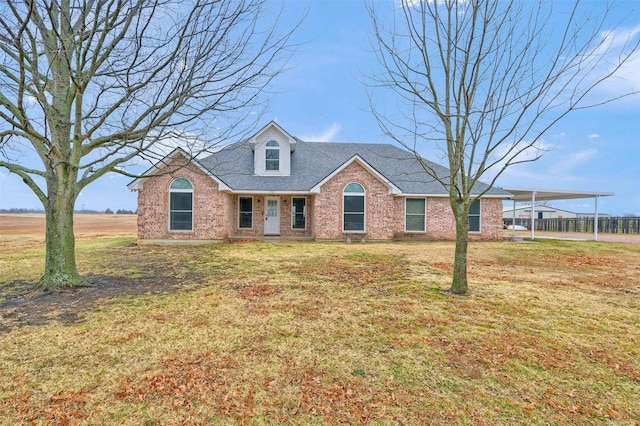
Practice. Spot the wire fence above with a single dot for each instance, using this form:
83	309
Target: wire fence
610	225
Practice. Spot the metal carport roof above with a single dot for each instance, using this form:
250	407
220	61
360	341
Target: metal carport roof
533	195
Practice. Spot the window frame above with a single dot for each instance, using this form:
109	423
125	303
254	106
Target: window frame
240	212
424	215
293	214
172	211
362	194
274	146
478	215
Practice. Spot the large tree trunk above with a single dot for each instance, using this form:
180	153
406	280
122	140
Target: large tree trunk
459	284
60	267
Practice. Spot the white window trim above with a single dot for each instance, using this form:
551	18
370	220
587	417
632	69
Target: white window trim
253	209
425	215
304	213
266	160
479	231
192	192
364	219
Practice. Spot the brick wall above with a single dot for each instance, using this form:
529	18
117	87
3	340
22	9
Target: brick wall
210	207
258	217
491	220
381	214
215	214
384	213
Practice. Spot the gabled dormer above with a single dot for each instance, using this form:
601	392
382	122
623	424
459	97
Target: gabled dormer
272	148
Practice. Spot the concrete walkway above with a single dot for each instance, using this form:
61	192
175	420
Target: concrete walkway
581	236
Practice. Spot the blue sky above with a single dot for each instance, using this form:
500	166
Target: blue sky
321	97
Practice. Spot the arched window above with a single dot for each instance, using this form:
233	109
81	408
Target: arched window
181	205
353	207
272	156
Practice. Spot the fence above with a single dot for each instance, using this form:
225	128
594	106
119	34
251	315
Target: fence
610	225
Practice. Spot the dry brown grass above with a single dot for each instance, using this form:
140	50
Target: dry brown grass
332	333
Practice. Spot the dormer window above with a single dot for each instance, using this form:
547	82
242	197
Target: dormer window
272	151
272	156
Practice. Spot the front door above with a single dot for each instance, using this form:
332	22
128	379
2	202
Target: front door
272	216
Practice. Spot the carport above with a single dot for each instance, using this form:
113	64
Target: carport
533	195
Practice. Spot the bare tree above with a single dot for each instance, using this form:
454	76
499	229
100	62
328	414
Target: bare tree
482	80
87	85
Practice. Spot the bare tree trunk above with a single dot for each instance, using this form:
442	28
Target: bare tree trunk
60	265
92	87
459	283
482	81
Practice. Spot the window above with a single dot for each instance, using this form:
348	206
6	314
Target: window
299	213
415	214
181	205
245	208
353	205
272	156
474	216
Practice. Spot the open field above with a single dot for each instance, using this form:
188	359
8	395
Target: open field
84	224
320	333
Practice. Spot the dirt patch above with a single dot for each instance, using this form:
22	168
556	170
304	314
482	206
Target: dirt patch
353	270
28	306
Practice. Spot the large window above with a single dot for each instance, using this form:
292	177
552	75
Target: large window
415	214
181	205
474	216
299	213
272	156
245	208
353	198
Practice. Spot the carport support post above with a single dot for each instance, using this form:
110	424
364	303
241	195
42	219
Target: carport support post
533	215
595	220
513	220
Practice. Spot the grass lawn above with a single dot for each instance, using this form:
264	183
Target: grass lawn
324	333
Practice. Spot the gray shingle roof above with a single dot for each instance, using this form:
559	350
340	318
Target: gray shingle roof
311	162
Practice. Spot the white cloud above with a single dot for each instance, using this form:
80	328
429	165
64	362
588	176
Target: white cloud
165	144
572	161
518	152
627	78
326	135
593	136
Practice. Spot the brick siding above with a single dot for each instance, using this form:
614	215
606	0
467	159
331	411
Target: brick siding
216	215
210	206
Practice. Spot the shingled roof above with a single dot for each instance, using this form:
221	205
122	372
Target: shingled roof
313	162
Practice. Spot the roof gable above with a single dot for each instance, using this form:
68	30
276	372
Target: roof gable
357	159
272	131
138	183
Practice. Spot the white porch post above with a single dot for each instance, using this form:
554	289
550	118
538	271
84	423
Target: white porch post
595	220
533	215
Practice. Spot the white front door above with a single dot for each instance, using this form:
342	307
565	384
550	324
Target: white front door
272	216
